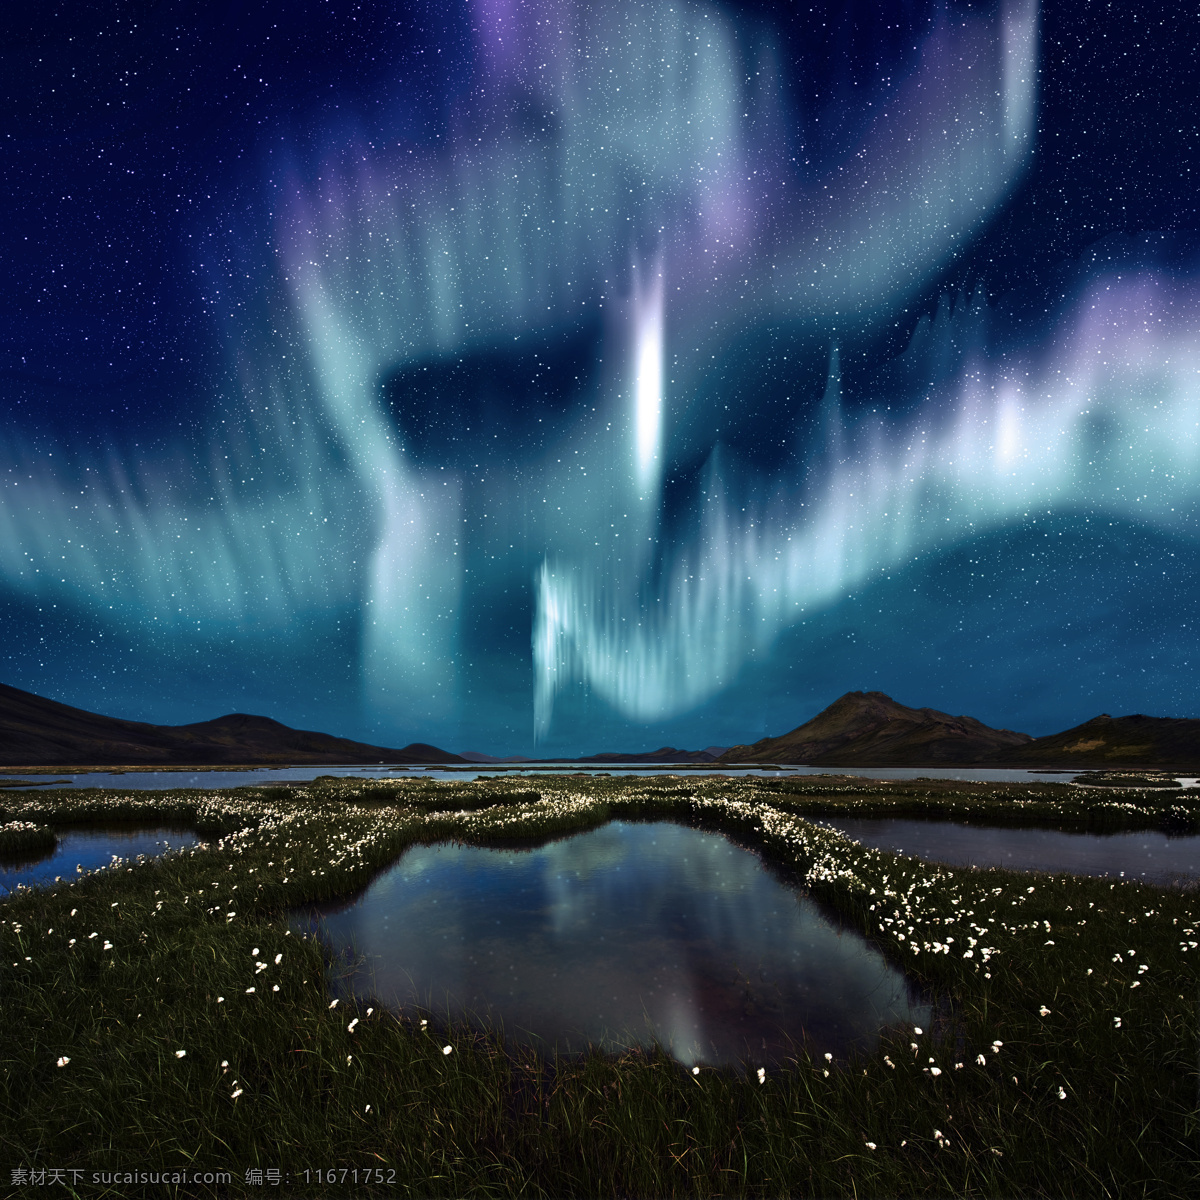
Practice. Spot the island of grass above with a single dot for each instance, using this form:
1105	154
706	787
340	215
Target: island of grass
162	1017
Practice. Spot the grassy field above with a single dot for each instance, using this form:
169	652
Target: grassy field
160	1017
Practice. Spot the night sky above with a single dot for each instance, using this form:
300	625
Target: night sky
561	376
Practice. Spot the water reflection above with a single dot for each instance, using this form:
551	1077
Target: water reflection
1145	855
89	849
622	936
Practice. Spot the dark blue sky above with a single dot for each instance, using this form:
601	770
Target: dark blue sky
346	348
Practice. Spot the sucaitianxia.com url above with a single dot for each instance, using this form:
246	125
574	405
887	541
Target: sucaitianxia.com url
68	1176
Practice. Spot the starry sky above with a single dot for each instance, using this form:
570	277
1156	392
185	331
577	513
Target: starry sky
550	376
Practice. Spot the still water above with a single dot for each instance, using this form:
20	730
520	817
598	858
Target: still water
89	849
215	777
621	936
1145	855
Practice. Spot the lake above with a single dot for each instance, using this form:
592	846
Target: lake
1146	855
620	936
216	778
90	849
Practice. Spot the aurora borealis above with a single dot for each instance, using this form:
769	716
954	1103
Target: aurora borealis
588	376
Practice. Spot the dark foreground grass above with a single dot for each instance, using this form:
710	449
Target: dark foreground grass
197	1034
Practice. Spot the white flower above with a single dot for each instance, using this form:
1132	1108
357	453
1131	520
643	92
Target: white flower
996	1047
1061	1094
180	1053
367	1109
350	1027
424	1023
918	1030
236	1093
935	1070
826	1072
870	1145
275	988
370	1011
249	991
981	1060
695	1070
254	952
1117	1022
278	959
1044	1011
220	999
447	1049
349	1058
62	1062
333	1004
828	1057
225	1063
762	1075
107	944
889	1062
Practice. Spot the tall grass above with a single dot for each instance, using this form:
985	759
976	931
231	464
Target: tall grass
25	840
1091	986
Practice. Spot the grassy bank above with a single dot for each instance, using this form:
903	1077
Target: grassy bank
25	840
1067	1066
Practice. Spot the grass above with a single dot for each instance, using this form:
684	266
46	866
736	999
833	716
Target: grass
22	841
1091	986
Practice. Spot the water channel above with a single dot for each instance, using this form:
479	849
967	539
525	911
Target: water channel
82	850
620	936
1146	855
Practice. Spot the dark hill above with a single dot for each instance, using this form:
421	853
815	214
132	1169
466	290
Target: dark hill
1104	741
869	729
667	754
35	731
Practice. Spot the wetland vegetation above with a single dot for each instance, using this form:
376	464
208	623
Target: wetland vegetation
162	1014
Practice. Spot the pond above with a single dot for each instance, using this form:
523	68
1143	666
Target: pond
1146	855
620	936
82	850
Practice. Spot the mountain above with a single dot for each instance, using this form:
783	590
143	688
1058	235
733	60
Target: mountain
869	729
666	754
475	756
35	731
1104	741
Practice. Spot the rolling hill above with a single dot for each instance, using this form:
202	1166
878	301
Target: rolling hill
35	731
870	729
1111	742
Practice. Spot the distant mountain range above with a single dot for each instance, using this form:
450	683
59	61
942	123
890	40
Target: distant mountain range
35	731
668	754
474	756
861	729
870	729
